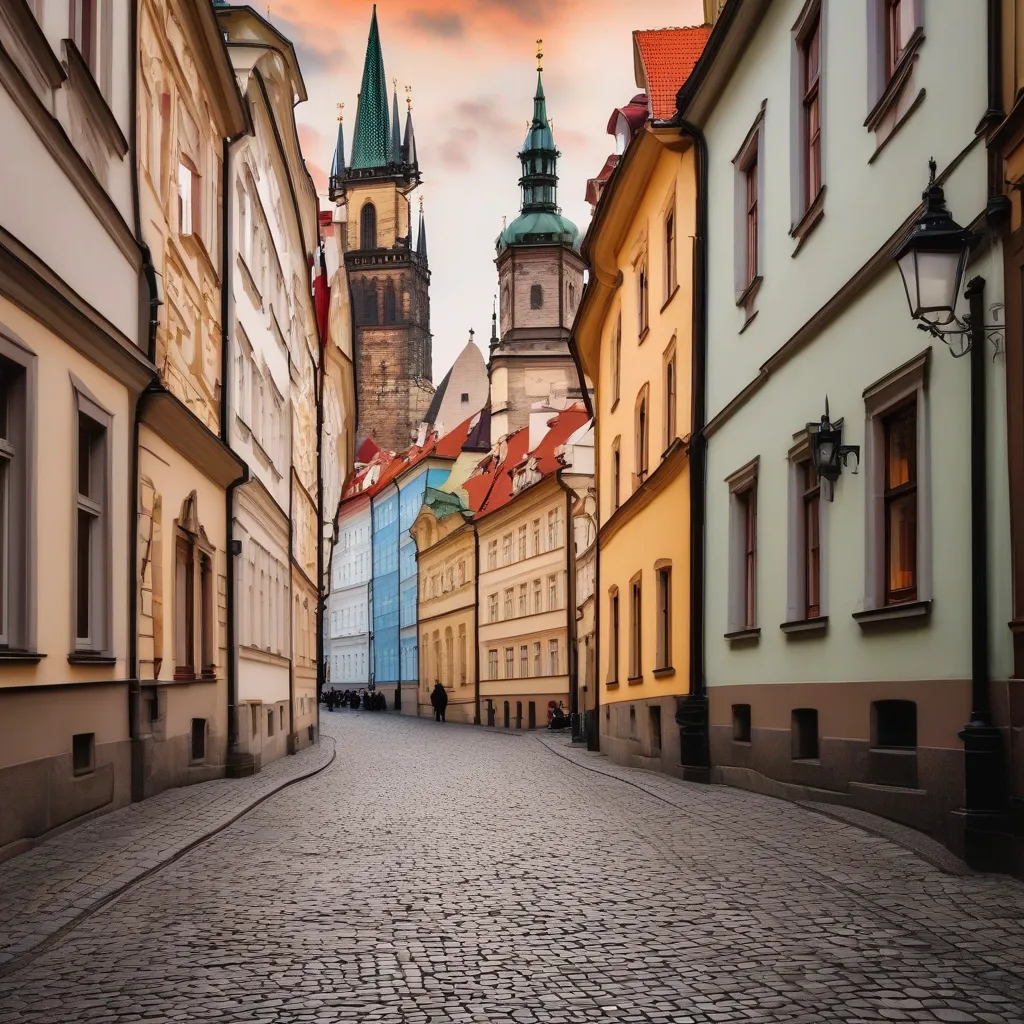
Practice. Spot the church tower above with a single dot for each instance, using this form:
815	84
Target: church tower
540	276
389	276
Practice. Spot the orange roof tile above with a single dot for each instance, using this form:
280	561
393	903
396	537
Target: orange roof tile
668	56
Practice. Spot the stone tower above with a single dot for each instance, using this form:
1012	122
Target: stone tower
389	276
541	281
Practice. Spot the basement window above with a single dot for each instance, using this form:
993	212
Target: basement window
198	745
83	753
804	733
894	724
741	723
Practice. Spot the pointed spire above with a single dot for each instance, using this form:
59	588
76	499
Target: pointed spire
396	131
538	156
421	237
494	322
338	163
409	142
370	148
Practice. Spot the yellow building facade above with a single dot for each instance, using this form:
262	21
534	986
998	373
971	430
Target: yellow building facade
446	552
633	338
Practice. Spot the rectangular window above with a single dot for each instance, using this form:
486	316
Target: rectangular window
538	598
492	664
552	593
536	658
509	609
197	751
613	646
523	609
642	428
635	631
810	84
742	591
642	289
671	397
462	655
617	359
83	753
91	562
664	617
184	607
616	474
536	536
900	499
748	503
190	198
524	662
552	531
553	657
16	584
208	653
900	22
522	542
811	538
492	554
670	255
750	184
510	662
506	549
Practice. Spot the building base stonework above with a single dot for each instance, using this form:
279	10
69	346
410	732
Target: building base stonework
460	709
642	734
493	710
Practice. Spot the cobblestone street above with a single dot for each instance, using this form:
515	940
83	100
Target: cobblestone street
445	873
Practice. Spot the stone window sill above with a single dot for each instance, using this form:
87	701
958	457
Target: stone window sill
672	295
812	217
643	336
635	680
612	684
16	656
802	627
91	658
912	613
747	296
741	636
664	673
897	81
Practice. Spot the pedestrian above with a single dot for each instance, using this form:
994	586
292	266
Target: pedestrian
439	698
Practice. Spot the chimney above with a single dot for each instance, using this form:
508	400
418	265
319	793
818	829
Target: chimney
421	435
540	413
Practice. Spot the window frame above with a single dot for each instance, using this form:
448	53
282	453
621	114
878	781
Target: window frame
663	614
641	435
98	643
616	455
616	357
671	252
799	610
636	629
748	259
554	657
670	382
367	221
643	300
893	495
742	591
614	637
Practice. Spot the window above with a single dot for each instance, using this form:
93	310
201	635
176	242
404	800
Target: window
538	599
671	395
616	473
194	600
613	645
464	397
635	629
492	554
552	593
664	651
83	30
190	198
641	432
368	227
389	304
900	22
16	579
510	654
536	296
553	657
642	290
741	723
281	713
811	534
894	724
449	655
462	573
523	609
536	536
462	655
197	746
552	531
617	359
91	562
900	499
492	664
750	178
804	734
809	44
670	255
524	662
208	657
749	163
438	667
83	753
506	549
522	542
743	550
270	722
536	658
509	594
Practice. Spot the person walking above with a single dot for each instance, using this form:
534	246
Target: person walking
439	698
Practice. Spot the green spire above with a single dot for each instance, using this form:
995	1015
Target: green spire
372	144
538	155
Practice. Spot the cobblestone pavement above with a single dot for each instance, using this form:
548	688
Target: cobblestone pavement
67	876
444	873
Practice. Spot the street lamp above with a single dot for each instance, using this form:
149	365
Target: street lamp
932	261
828	453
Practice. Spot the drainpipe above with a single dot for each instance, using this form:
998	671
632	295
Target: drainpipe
320	589
692	710
572	661
476	624
291	589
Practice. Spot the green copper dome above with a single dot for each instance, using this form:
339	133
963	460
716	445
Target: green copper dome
540	227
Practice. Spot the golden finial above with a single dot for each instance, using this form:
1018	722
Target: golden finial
551	122
341	112
540	54
408	97
395	83
421	204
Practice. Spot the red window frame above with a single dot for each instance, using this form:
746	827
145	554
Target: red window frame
812	540
900	505
810	61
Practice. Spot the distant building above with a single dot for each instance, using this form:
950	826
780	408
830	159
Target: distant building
462	392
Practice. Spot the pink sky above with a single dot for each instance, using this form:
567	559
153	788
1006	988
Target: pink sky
472	70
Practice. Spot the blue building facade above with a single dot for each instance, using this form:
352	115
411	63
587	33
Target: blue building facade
385	617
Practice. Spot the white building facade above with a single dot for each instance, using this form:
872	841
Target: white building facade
838	625
349	616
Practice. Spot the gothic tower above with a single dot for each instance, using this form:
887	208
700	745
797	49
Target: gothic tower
540	275
389	276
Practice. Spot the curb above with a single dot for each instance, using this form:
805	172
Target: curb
19	961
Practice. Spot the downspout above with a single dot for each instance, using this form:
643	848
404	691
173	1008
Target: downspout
291	588
572	663
322	592
692	710
476	625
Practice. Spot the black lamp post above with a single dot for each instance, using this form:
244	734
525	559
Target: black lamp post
828	453
932	262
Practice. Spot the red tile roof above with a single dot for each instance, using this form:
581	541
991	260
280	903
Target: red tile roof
668	56
490	487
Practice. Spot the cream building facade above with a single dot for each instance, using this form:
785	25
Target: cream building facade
73	358
446	556
188	103
838	619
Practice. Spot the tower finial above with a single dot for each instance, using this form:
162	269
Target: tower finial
421	204
540	54
408	97
341	112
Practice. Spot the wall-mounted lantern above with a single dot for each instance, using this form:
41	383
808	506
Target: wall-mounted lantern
828	452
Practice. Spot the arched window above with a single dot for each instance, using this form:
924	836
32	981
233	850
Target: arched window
642	438
370	304
368	227
389	303
536	296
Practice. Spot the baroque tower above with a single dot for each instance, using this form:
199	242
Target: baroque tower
389	276
540	276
